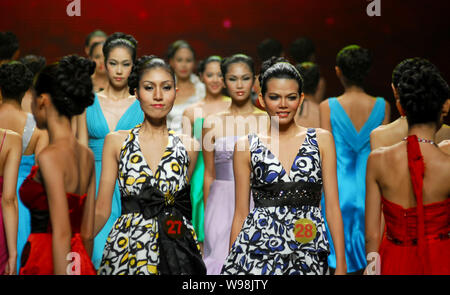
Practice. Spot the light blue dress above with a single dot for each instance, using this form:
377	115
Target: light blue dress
98	129
27	161
352	151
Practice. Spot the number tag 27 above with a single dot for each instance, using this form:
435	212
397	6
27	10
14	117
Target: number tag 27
173	226
304	230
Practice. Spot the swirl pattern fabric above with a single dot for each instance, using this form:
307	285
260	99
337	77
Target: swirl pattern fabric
266	244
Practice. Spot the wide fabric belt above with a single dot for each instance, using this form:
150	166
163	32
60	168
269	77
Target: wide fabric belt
294	194
40	220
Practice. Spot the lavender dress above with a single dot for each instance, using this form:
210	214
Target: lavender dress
219	209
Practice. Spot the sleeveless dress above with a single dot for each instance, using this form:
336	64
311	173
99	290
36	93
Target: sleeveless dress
417	240
27	161
286	203
352	151
175	116
219	209
198	207
98	129
37	256
3	244
154	234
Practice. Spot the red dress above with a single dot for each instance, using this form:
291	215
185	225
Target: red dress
37	255
417	239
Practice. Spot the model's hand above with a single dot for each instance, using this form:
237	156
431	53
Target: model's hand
340	270
10	268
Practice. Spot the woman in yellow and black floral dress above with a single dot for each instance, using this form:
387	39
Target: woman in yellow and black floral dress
154	234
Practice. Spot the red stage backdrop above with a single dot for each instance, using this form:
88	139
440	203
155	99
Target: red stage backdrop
403	29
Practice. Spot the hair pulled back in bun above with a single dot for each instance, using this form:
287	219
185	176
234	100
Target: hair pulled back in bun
280	68
68	83
203	63
175	46
15	80
354	62
311	76
237	58
415	64
422	94
144	64
34	63
119	39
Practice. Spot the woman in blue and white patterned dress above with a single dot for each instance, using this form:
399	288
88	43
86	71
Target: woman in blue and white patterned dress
285	232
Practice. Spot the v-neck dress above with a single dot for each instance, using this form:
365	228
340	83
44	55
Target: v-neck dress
98	129
137	242
352	151
267	244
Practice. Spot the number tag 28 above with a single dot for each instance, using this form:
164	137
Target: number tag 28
304	230
174	227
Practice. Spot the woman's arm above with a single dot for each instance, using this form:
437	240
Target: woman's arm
9	197
242	170
108	177
50	166
332	207
88	219
373	206
208	158
324	115
82	132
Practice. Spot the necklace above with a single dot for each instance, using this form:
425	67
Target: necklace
423	140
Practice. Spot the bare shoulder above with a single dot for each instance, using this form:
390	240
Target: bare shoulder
12	137
381	129
378	133
51	155
387	153
324	135
242	144
116	138
324	105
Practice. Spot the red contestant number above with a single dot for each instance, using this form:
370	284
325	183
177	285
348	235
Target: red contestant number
172	224
308	231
